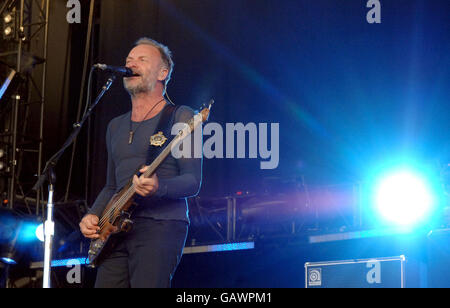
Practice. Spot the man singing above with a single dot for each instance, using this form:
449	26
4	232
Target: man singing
148	255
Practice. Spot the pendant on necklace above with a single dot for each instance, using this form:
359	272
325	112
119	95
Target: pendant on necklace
130	140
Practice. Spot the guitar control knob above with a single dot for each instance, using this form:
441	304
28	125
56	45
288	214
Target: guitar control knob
127	225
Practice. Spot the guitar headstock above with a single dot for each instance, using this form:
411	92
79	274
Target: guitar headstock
204	113
205	110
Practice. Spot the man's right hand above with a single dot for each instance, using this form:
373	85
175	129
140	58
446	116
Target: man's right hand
89	226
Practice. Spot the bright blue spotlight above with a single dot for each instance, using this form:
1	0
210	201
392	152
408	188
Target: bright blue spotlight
403	198
40	232
29	232
8	261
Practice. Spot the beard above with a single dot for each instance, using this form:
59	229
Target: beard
143	86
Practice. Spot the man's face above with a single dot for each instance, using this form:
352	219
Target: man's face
145	61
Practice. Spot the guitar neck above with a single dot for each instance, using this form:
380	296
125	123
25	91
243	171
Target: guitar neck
185	132
122	201
157	162
129	191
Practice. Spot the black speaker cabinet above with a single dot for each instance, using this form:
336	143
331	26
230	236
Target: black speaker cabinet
439	259
361	273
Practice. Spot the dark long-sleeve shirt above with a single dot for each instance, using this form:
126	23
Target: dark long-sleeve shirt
178	178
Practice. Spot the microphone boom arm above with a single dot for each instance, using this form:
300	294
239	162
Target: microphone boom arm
51	163
49	174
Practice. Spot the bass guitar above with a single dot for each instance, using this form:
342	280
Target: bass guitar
116	216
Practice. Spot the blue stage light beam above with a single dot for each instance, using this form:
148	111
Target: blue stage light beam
404	198
8	261
39	232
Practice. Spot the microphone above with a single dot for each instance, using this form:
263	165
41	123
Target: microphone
120	70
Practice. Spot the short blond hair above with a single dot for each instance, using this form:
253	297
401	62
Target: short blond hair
166	55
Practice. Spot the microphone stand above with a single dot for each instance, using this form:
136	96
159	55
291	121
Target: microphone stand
49	175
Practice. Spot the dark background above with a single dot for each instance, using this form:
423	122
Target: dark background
347	94
349	97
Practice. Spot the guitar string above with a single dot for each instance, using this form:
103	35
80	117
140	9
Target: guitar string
131	189
117	205
132	133
121	201
110	213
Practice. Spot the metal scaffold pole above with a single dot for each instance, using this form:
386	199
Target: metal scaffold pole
23	49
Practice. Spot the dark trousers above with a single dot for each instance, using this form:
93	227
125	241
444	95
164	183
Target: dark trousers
145	257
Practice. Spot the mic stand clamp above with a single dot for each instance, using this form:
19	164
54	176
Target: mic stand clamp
49	175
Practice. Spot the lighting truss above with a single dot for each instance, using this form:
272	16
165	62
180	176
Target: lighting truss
23	46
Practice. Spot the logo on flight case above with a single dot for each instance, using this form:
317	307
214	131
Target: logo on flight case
315	277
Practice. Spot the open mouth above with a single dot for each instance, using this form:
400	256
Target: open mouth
133	76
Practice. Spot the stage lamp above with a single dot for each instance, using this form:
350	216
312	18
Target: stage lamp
8	259
8	252
7	18
3	164
17	236
9	26
403	198
40	232
7	31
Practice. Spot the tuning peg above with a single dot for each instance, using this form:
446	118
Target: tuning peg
211	102
208	105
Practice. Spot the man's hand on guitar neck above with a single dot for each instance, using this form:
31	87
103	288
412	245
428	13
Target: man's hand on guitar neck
89	226
145	187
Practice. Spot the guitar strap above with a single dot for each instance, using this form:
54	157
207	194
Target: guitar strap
165	123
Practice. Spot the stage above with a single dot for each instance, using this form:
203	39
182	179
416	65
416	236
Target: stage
313	148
